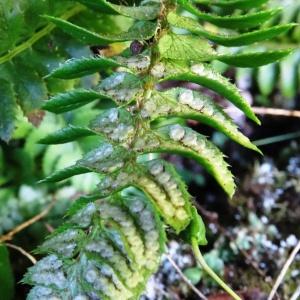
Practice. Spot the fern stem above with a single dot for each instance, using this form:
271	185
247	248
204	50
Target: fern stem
210	272
38	35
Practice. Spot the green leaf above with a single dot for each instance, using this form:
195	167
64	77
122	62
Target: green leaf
197	228
190	104
29	86
66	135
160	181
205	75
142	30
288	76
228	40
255	59
122	87
106	158
169	193
71	100
79	67
185	47
182	140
126	239
20	20
8	110
116	125
188	47
194	275
233	22
6	275
65	173
233	4
142	12
266	79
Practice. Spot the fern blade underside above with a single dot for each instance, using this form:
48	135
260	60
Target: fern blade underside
111	243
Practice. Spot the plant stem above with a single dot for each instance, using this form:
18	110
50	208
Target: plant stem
277	139
210	272
38	35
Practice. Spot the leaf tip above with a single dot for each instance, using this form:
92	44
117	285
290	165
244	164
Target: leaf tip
256	120
44	180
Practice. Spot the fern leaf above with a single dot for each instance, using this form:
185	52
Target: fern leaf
116	124
137	63
228	40
122	87
288	76
25	57
233	4
185	47
106	266
8	110
206	76
196	229
66	135
78	67
65	173
266	79
185	141
189	104
141	30
168	192
71	100
160	181
142	12
256	59
234	22
105	159
113	240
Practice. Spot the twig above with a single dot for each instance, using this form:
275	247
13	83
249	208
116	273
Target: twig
284	270
276	112
277	138
185	279
38	35
296	294
25	253
9	235
49	227
271	111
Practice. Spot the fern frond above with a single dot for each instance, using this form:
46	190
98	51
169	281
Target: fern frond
112	242
113	260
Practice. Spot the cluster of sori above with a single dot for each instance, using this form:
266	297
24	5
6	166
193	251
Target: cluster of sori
160	181
63	243
121	86
144	141
138	62
199	102
116	124
207	153
83	217
168	191
156	106
158	70
117	181
189	104
104	159
202	70
115	258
